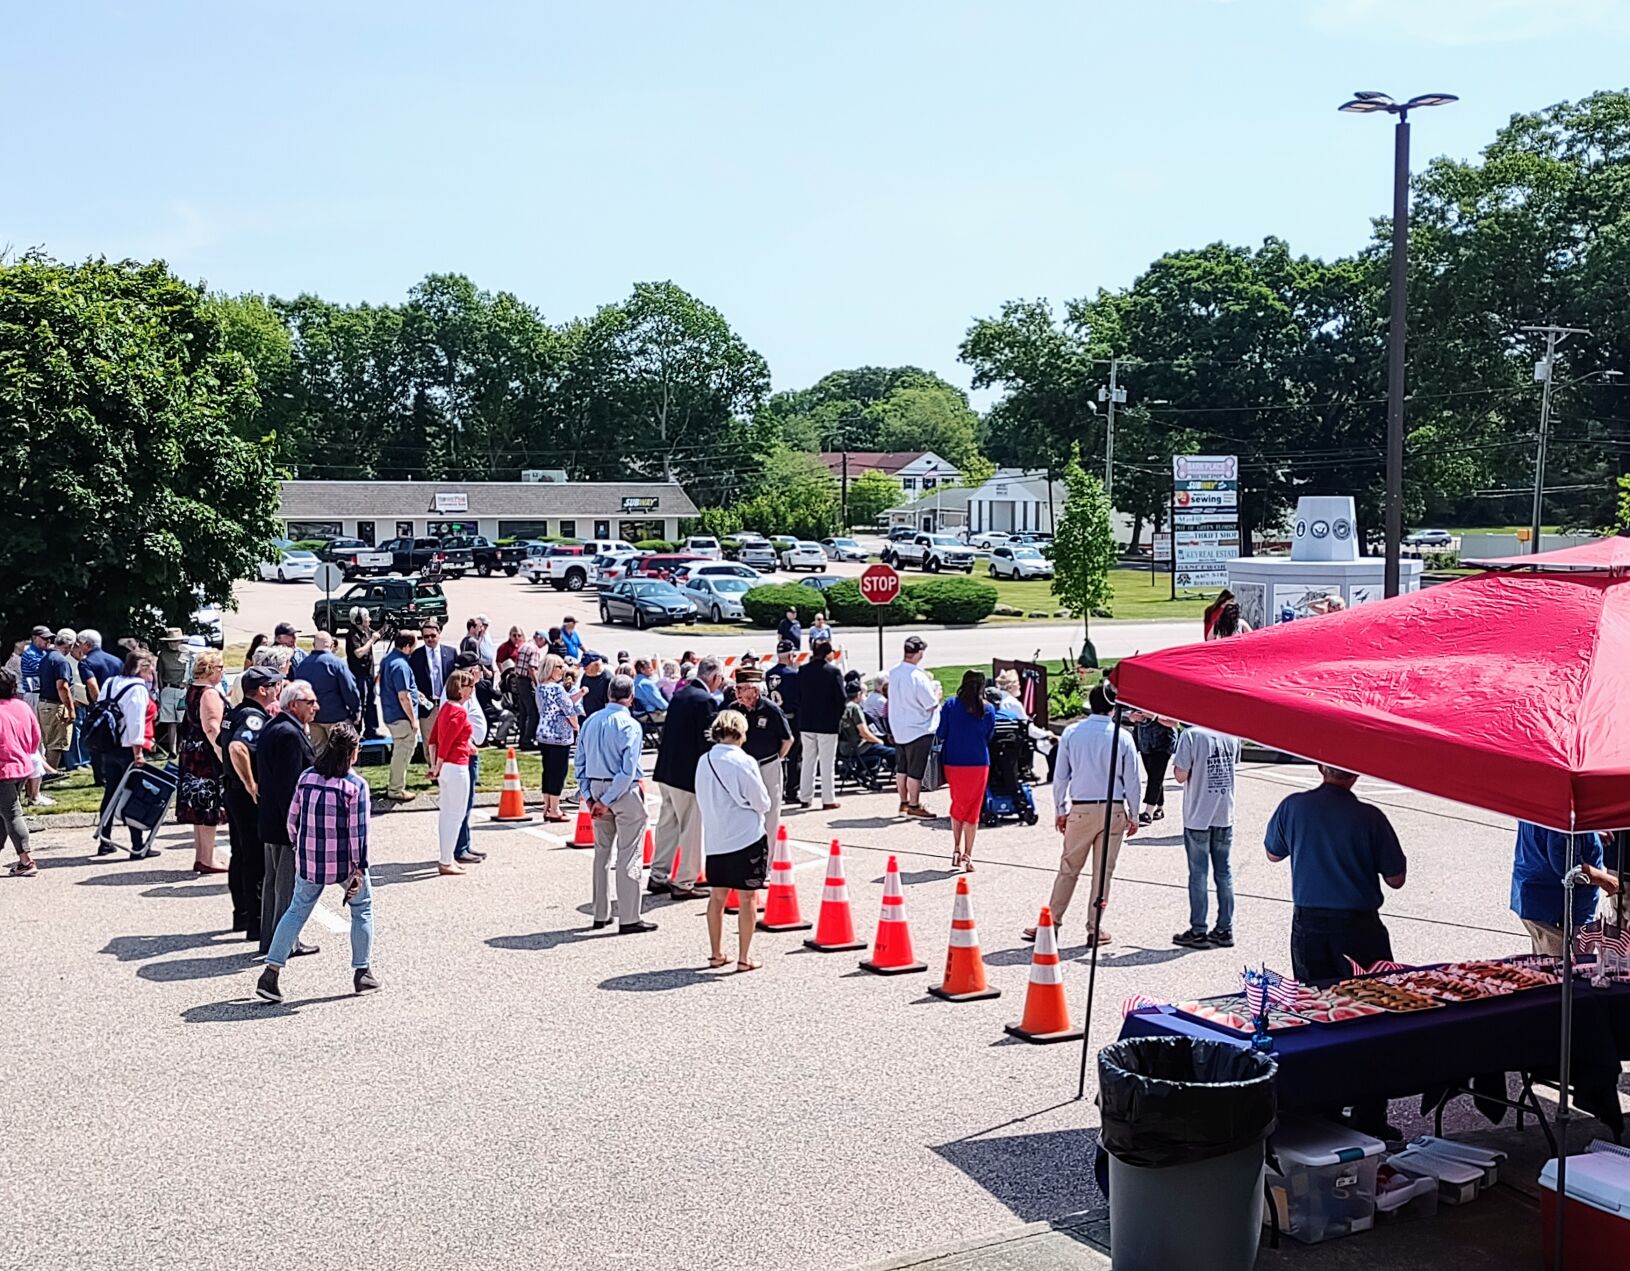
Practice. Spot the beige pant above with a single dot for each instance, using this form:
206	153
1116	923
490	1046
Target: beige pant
56	730
678	855
403	740
619	841
1083	835
319	737
1547	939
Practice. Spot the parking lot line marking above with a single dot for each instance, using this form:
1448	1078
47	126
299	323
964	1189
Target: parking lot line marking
328	918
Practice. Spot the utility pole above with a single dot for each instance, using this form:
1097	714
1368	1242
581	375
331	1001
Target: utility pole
843	497
1112	396
1545	372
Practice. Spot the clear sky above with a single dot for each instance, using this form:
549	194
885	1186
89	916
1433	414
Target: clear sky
851	181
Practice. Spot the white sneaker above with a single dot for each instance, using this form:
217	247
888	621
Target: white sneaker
44	801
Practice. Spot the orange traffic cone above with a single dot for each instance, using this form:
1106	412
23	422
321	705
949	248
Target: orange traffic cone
650	849
891	950
835	930
1046	1016
781	909
732	902
583	831
964	967
512	803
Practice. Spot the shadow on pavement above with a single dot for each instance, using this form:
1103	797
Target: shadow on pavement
400	872
245	1008
660	981
1136	957
540	940
134	877
909	877
140	948
198	968
1037	1176
188	889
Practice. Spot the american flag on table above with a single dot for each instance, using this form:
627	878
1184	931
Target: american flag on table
1268	984
1600	935
1137	1002
1378	968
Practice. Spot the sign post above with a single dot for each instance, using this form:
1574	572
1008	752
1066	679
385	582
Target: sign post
1205	519
879	585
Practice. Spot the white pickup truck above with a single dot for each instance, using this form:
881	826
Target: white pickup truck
563	568
929	552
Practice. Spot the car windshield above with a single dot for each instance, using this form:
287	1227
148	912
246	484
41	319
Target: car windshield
302	556
943	540
654	591
729	586
1026	553
423	591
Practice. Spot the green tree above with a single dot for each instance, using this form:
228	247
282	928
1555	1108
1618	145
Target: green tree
1083	549
871	494
126	487
976	471
927	417
795	495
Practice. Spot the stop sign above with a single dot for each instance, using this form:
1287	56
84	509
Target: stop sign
879	584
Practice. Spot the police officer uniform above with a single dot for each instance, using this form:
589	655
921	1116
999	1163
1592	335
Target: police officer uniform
767	729
781	685
247	866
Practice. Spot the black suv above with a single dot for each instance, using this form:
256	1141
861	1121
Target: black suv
390	602
487	556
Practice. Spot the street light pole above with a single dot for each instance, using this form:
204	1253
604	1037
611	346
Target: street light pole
1364	103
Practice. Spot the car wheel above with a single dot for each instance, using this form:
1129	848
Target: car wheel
511	570
716	615
575	580
931	565
484	570
557	584
993	572
639	620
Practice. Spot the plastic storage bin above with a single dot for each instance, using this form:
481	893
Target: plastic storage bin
1486	1159
1325	1185
1598	1209
1458	1182
1400	1196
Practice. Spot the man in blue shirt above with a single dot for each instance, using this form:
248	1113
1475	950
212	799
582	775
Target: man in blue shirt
1340	852
29	663
1536	882
789	629
608	774
338	701
55	711
569	638
285	634
97	665
399	708
648	698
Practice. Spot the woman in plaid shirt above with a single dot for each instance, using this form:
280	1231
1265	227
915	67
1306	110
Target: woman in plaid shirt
328	825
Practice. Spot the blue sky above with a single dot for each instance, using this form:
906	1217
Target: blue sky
851	183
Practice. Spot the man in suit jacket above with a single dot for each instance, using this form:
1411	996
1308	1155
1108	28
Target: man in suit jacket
432	663
678	857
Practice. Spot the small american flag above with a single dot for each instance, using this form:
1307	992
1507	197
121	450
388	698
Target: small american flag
1598	935
1256	997
1137	1002
1281	992
1378	968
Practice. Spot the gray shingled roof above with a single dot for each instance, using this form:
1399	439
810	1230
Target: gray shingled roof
314	500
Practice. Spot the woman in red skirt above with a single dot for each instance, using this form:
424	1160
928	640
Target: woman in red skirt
966	725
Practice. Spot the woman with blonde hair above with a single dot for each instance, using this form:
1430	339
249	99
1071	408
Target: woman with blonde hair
733	802
448	749
557	730
202	761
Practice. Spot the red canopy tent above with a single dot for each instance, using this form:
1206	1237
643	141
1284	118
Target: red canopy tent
1499	690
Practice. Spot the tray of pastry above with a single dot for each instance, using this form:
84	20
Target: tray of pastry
1388	997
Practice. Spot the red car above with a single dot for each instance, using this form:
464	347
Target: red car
660	566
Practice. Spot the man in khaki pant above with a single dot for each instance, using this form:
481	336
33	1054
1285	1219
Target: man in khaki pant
1080	782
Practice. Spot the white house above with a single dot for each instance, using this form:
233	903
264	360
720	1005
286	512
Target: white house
915	470
1015	500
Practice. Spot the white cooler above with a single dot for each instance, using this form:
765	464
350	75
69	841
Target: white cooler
1325	1186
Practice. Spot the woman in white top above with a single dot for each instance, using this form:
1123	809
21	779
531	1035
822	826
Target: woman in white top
132	692
732	800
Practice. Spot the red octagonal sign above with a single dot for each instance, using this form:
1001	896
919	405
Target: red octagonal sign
879	584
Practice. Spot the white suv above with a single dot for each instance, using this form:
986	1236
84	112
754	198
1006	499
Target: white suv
703	545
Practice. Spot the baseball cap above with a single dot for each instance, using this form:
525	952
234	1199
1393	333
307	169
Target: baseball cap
785	646
483	620
259	677
46	632
915	644
749	675
284	628
540	635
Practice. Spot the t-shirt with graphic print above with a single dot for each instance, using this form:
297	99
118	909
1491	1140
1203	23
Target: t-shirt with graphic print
1208	796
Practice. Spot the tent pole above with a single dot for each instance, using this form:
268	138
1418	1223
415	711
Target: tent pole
1569	880
1100	883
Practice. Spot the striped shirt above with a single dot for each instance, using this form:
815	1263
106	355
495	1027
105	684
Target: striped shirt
328	825
527	658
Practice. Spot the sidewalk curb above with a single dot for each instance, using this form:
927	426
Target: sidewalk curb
1075	1227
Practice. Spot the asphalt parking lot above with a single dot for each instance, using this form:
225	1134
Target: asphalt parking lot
524	1093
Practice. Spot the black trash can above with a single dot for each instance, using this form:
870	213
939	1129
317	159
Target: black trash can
1184	1123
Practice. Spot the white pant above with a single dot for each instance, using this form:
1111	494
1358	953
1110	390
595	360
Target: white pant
677	855
454	785
775	777
819	748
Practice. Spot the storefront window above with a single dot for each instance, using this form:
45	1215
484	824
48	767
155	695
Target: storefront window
636	531
568	529
523	529
602	529
301	530
442	529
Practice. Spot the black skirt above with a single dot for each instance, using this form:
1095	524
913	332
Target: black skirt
743	869
555	762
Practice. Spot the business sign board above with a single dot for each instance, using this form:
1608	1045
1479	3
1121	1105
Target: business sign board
446	501
1163	548
1205	518
639	503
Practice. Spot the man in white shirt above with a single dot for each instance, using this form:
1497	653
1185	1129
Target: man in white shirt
1080	782
1204	766
914	718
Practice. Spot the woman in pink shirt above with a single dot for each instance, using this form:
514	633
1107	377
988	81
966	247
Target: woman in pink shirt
19	743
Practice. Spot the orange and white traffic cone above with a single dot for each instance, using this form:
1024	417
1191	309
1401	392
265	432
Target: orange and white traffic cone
650	849
781	908
583	831
891	950
732	902
835	926
1046	1015
512	802
964	965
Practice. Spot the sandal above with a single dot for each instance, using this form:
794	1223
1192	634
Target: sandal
715	963
747	966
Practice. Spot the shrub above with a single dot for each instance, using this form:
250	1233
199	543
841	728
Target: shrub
766	606
1442	560
954	600
653	545
306	544
845	606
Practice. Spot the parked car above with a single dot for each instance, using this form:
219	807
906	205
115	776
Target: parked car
487	555
703	545
613	567
290	566
781	542
931	553
661	565
844	549
390	602
714	569
1019	562
1032	538
1430	538
646	602
565	567
716	597
988	540
606	547
803	555
822	583
427	555
759	554
355	557
206	622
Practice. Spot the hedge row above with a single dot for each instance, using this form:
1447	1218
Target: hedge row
945	600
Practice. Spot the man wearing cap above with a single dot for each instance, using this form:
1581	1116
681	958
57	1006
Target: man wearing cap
781	684
789	629
338	701
570	640
914	718
240	788
170	683
432	664
285	635
528	658
595	684
769	738
28	663
55	710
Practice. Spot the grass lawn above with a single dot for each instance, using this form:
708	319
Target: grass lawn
1133	596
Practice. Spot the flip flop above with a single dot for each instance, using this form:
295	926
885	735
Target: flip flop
742	967
715	963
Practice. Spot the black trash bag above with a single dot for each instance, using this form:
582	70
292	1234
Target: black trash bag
1175	1100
